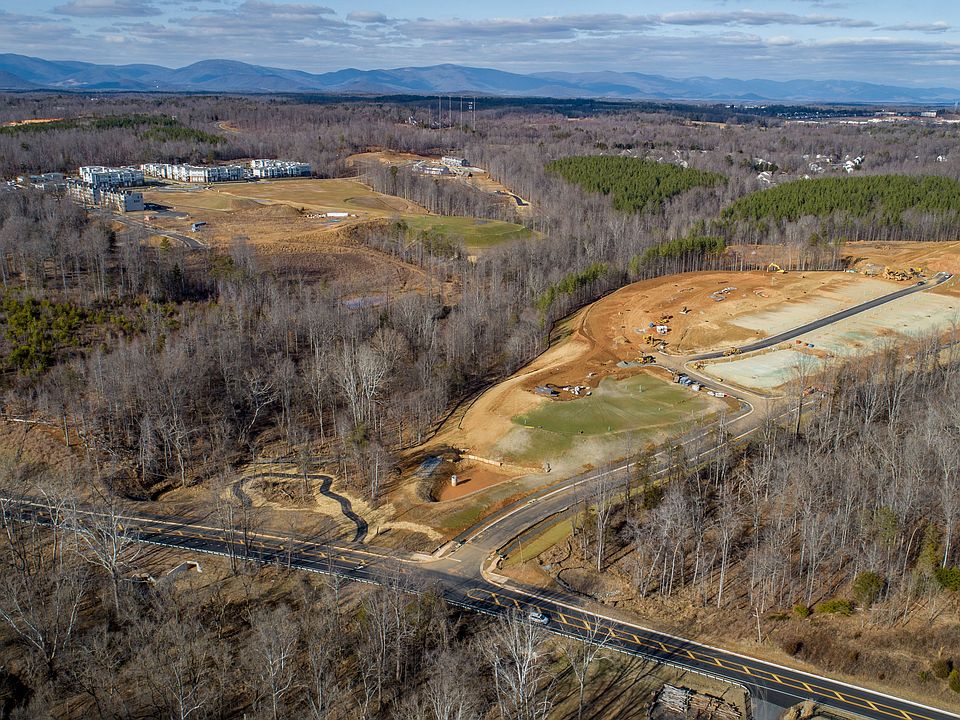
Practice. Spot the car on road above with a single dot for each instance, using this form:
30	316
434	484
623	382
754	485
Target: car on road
538	617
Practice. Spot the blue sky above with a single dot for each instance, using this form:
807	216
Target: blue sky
889	41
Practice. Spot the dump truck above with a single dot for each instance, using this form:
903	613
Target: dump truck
731	351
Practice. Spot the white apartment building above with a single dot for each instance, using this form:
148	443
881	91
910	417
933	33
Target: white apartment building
194	173
122	201
100	176
280	168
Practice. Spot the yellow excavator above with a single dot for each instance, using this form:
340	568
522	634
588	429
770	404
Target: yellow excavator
731	351
773	267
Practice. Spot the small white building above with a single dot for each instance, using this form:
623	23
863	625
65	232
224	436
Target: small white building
452	161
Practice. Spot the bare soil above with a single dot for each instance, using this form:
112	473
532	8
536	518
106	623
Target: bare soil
593	341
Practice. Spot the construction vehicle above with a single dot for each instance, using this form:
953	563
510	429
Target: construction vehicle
664	319
773	267
698	366
731	351
901	275
647	360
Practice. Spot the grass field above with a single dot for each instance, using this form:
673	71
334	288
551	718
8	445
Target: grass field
341	196
474	233
633	412
629	405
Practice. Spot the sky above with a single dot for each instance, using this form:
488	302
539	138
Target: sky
910	43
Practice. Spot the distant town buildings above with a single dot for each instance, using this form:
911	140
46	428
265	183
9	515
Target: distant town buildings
430	168
102	187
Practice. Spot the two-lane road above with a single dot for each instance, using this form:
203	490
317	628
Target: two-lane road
569	615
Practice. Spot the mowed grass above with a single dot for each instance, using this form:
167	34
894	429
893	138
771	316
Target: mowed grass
643	401
474	233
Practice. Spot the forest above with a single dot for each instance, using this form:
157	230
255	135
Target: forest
635	185
858	511
883	199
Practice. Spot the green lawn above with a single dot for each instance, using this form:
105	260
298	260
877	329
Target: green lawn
474	233
618	406
637	410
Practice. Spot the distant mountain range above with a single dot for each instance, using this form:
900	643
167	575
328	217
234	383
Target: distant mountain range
19	72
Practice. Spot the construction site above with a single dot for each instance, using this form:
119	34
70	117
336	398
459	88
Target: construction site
613	381
308	226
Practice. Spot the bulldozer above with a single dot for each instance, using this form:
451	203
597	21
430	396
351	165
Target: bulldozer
773	267
731	351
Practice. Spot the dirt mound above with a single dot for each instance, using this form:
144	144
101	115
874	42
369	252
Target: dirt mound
275	211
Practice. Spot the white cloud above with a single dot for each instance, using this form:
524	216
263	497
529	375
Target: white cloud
367	16
934	27
107	8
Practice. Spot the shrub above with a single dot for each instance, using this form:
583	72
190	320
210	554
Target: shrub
801	610
792	646
836	606
941	667
867	587
948	578
953	681
925	676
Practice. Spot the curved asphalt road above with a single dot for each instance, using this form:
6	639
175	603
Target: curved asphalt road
778	685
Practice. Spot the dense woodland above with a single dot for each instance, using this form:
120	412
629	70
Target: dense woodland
634	185
174	368
856	509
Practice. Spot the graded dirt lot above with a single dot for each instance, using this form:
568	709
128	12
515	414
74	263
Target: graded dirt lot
286	240
756	305
932	257
898	322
